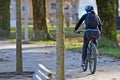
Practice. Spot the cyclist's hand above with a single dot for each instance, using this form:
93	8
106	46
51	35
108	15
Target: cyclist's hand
76	31
100	32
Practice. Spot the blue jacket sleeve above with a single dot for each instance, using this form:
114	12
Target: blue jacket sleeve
80	22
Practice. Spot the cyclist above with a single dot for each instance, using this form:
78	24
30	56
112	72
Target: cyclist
89	30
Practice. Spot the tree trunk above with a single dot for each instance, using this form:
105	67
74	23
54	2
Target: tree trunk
19	67
107	13
39	20
4	18
117	17
60	40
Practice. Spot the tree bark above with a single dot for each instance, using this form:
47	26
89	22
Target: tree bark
117	17
107	13
4	18
39	20
60	40
19	65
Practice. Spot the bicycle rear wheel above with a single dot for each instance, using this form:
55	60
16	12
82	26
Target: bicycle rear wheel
92	59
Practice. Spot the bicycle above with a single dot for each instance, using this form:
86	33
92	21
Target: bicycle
91	56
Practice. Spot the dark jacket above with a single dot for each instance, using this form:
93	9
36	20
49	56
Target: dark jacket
88	27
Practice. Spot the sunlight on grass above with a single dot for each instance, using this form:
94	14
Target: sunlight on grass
44	42
118	38
74	44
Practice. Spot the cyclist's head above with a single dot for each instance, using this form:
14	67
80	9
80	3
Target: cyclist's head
89	8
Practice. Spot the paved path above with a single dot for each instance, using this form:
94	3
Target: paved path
107	68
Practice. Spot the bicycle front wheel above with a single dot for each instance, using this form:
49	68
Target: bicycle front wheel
92	59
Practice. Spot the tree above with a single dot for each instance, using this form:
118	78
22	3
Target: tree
107	12
19	66
39	20
117	11
60	40
4	18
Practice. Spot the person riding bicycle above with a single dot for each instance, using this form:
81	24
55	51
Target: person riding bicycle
93	28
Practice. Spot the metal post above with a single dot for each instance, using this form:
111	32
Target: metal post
26	20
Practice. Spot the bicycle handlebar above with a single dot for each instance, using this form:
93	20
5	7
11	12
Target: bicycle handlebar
80	31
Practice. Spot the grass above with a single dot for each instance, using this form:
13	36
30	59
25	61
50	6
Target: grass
72	41
113	52
74	44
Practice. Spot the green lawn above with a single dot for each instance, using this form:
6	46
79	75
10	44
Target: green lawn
113	52
72	41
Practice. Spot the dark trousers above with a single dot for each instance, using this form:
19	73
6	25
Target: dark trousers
87	36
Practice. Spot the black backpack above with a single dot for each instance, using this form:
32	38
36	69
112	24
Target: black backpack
91	20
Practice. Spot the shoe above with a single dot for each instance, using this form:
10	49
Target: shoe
83	63
97	53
